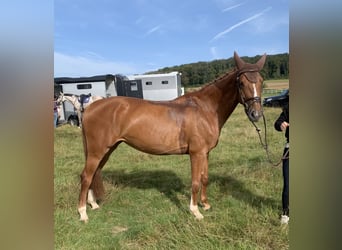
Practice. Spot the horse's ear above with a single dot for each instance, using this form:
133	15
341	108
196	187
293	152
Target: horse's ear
239	62
261	62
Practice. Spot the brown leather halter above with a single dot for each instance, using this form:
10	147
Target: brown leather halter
247	103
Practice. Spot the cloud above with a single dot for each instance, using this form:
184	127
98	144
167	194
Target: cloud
219	35
271	23
154	29
76	66
233	7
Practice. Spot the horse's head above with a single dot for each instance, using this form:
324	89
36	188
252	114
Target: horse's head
60	98
249	84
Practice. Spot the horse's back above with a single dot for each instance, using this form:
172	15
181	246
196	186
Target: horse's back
104	107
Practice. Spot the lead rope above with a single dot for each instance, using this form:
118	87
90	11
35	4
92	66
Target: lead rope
265	145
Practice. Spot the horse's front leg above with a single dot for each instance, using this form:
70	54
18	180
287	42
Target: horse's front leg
79	115
205	181
199	166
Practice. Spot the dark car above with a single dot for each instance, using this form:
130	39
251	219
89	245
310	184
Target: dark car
278	100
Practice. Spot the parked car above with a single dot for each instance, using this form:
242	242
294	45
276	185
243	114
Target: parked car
278	100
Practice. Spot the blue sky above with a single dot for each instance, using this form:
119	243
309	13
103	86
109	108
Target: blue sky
136	36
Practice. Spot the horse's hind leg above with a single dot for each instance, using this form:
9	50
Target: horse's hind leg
88	172
91	181
91	198
96	190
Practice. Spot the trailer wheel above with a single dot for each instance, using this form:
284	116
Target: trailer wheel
73	120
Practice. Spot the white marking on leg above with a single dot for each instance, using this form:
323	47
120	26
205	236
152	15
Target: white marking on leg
195	211
83	213
206	206
92	200
255	91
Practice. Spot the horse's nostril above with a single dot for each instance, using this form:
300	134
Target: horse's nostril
255	115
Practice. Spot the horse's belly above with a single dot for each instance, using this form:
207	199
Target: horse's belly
157	142
158	149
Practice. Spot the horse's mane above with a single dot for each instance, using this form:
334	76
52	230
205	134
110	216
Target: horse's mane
213	82
220	78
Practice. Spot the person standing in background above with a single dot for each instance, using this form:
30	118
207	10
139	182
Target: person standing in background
55	111
282	124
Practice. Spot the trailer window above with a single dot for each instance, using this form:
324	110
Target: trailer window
165	82
134	86
83	86
148	83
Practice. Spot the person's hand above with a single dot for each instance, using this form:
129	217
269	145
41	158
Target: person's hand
284	125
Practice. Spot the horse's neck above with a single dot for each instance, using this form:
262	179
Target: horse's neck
220	96
74	101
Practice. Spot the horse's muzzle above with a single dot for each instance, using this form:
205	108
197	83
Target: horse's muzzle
253	108
254	115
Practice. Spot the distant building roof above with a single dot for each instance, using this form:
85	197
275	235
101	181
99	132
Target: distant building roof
98	78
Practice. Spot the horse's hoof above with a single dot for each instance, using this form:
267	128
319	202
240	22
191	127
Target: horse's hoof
206	207
199	216
83	214
94	206
84	221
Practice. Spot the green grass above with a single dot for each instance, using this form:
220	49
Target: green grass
276	80
147	197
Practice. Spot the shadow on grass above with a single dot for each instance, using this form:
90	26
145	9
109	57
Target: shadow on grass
236	188
168	183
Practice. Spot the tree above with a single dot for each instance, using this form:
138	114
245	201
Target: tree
194	74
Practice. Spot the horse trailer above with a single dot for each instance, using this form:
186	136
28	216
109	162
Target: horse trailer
157	87
160	87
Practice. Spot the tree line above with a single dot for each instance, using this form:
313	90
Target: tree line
196	74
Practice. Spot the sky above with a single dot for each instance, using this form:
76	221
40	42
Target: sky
137	36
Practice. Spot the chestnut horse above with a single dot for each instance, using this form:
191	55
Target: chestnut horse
189	124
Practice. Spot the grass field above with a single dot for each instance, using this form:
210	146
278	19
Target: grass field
277	84
147	197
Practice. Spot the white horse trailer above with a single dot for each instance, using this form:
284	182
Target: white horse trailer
160	87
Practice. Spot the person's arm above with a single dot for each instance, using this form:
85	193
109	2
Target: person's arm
281	124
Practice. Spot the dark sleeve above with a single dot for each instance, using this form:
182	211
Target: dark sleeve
279	121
